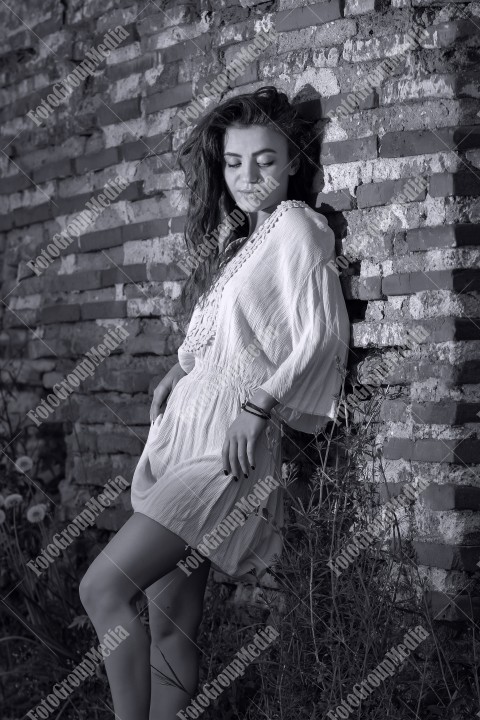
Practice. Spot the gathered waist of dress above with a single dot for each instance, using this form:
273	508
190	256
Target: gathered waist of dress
223	374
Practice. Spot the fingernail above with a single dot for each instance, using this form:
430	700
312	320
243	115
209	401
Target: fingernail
226	472
245	475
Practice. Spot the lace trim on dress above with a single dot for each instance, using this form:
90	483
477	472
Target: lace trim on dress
203	321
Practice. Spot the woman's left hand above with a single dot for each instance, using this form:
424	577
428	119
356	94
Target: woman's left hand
238	451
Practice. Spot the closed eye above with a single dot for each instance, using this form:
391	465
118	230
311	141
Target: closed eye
261	164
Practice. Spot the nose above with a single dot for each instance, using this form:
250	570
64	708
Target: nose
249	174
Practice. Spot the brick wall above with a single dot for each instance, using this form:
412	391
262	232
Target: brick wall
399	184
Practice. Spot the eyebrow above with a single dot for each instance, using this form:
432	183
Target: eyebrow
255	153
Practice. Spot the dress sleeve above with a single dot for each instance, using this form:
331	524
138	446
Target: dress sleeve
186	359
306	384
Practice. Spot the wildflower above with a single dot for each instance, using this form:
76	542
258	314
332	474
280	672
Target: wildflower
13	500
36	513
2	517
24	463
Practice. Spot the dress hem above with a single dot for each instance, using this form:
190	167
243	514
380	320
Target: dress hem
172	527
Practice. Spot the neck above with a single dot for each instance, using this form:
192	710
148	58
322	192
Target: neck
255	219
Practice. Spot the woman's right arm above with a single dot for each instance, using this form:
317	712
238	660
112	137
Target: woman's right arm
163	390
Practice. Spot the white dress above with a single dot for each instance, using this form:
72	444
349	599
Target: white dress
276	319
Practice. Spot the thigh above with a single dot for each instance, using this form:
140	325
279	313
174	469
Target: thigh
141	552
175	601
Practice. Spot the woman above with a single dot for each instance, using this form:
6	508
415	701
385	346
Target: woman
267	323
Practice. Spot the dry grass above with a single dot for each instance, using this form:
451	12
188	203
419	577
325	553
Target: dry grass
333	630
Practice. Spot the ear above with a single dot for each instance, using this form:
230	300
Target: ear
294	166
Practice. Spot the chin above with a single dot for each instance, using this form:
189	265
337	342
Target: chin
246	204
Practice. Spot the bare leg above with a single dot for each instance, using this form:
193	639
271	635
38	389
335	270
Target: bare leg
141	552
175	611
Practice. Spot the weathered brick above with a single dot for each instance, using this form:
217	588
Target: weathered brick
172	97
458	607
87	280
460	280
349	150
107	309
451	497
449	33
76	203
437	86
361	7
130	28
97	161
154	144
182	50
449	557
361	288
146	229
58	169
100	239
59	313
178	224
15	183
111	113
162	272
125	274
321	107
446	413
460	183
390	191
443	236
419	142
431	450
303	17
138	65
443	329
159	21
127	442
31	215
336	201
98	471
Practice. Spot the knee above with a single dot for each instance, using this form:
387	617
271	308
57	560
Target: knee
165	623
96	593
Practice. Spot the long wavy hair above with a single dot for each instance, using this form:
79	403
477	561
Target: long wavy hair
201	160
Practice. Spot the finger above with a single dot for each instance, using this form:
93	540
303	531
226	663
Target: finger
242	456
225	456
233	457
158	404
251	445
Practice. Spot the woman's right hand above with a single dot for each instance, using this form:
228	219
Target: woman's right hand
163	390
